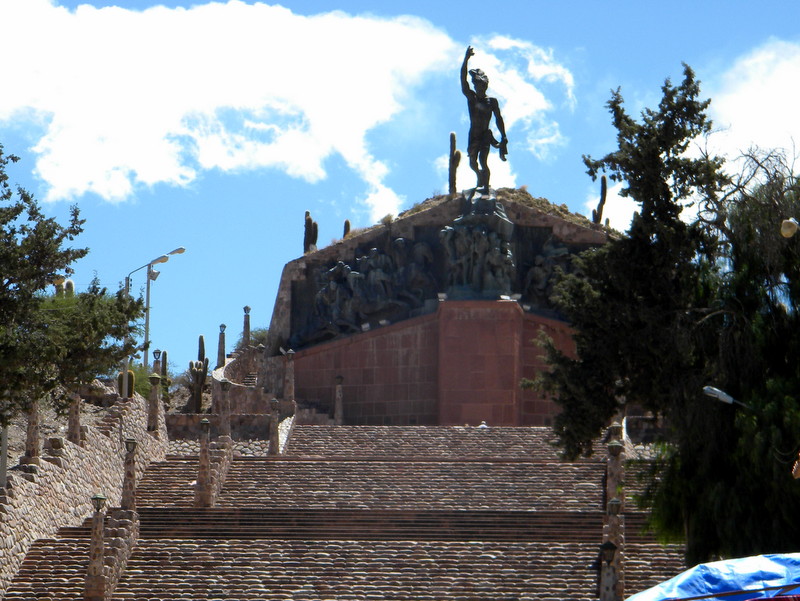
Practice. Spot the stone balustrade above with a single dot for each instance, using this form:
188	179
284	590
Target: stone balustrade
36	505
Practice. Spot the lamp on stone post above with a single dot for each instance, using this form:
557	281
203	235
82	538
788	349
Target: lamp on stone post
157	361
129	478
225	408
613	532
221	347
95	583
246	328
608	573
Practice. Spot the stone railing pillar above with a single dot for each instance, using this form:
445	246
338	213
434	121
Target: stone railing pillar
288	382
608	573
338	403
225	408
221	347
614	521
154	404
74	419
32	456
95	584
246	328
274	423
202	491
128	502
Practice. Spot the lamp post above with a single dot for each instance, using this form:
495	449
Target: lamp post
152	274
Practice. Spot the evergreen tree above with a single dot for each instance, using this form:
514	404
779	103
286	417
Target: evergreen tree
93	331
49	345
34	250
640	308
635	301
738	498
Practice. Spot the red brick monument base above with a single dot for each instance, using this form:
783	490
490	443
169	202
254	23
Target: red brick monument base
460	365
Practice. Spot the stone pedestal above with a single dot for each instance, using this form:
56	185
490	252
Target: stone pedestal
274	423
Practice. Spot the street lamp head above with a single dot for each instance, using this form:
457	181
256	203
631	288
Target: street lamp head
161	259
716	393
130	445
607	551
98	501
789	227
178	251
157	354
222	328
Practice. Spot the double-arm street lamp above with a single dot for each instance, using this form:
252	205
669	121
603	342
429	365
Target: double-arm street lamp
152	274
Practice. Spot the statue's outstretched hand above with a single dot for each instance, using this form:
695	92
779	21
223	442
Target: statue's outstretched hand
470	52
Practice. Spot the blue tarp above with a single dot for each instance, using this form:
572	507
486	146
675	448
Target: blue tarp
758	577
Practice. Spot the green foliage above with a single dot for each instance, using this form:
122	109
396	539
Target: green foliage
633	306
34	250
749	500
257	336
93	330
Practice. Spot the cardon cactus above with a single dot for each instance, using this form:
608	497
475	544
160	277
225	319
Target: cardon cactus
198	370
310	232
131	383
597	214
346	228
455	159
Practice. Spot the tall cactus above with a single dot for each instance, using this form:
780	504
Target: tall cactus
346	228
199	372
310	232
597	215
455	159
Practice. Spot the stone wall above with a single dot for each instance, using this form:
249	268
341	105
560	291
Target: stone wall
35	506
243	426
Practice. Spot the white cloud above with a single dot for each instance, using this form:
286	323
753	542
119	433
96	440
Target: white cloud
755	101
136	98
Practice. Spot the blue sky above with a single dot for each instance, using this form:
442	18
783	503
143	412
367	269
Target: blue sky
215	126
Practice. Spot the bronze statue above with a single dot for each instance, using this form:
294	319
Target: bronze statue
481	109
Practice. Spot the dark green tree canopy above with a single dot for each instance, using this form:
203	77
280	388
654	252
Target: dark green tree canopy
671	306
636	296
43	347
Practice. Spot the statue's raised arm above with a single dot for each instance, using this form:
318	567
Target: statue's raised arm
481	110
464	83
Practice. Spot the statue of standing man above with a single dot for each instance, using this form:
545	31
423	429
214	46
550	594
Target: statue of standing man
481	109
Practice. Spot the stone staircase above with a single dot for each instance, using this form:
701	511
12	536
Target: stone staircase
361	513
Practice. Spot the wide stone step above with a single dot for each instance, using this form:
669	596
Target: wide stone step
450	443
363	525
269	570
52	569
403	485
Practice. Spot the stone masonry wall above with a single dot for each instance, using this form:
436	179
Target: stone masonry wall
35	506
